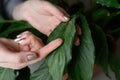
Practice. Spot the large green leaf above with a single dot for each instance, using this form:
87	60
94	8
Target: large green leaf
60	58
1	23
101	47
42	73
81	67
7	74
15	27
109	3
114	61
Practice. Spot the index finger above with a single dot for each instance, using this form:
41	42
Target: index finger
55	11
43	52
50	47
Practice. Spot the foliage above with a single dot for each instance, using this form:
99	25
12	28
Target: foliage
109	3
100	32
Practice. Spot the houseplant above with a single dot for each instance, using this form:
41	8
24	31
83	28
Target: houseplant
100	32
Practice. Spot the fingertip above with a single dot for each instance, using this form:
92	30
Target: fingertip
50	47
66	18
59	41
77	41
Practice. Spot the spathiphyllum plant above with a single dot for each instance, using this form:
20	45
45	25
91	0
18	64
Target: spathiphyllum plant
100	27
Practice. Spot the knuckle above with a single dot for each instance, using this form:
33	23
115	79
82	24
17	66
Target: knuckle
26	33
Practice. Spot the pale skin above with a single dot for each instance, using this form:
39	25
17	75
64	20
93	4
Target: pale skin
43	16
14	54
35	44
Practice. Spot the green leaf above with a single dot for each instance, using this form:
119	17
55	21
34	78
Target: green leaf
81	67
54	1
116	33
7	74
109	3
114	61
101	47
113	25
1	23
42	73
15	27
60	58
99	14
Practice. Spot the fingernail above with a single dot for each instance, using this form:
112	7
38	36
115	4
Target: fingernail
17	39
31	57
66	18
21	41
18	36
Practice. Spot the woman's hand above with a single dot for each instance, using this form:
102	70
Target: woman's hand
42	15
35	44
12	55
28	50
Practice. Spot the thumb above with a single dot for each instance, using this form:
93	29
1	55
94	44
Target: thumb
17	60
21	57
44	51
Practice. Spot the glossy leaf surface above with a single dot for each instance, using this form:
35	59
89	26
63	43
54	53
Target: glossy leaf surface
60	58
109	3
15	27
101	47
81	67
7	74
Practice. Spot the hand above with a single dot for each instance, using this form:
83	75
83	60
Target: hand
36	45
12	55
78	35
42	15
16	56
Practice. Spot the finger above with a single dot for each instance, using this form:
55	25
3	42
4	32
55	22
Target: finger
18	60
24	38
62	10
65	76
19	57
78	30
24	34
43	23
43	52
77	41
24	47
12	65
55	11
16	63
9	44
78	35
